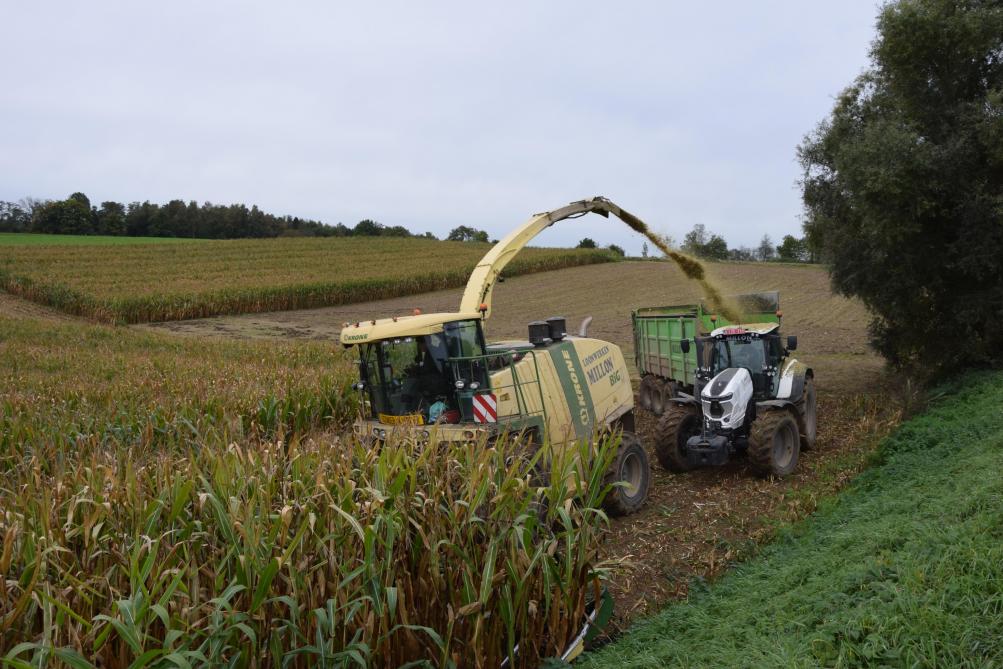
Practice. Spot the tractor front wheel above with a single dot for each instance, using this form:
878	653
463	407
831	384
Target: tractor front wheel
674	429
774	443
630	476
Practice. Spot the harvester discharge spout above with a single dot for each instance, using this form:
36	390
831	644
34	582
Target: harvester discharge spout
477	296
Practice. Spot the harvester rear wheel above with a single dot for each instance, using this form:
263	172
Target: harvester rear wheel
774	443
806	412
646	391
675	427
631	466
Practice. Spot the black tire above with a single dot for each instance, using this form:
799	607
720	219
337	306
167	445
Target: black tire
645	392
631	466
675	427
658	396
807	420
774	443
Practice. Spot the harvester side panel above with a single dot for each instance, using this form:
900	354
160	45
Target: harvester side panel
607	378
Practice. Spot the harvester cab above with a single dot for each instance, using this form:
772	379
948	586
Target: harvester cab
434	378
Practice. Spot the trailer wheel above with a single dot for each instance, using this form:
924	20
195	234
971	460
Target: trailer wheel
774	443
646	391
807	424
631	467
661	392
676	426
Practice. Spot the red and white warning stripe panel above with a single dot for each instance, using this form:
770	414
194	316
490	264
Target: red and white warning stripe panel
485	408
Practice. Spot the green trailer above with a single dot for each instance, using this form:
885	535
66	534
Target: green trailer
664	368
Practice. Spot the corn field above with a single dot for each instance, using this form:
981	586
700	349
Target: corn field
174	502
324	553
157	282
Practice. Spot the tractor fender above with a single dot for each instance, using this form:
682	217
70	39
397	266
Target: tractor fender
774	404
684	399
792	380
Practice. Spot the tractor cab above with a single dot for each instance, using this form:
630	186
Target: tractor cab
421	379
756	348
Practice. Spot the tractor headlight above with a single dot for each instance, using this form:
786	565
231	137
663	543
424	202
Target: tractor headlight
459	384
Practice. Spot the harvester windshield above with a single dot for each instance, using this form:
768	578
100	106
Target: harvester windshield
416	379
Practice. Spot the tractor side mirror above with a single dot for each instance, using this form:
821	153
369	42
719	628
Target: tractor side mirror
792	342
684	344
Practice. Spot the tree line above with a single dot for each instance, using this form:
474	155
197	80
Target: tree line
903	186
703	244
77	216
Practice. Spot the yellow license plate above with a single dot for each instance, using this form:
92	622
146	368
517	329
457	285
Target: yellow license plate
409	419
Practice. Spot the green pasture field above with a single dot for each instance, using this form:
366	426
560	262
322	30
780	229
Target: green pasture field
904	569
138	283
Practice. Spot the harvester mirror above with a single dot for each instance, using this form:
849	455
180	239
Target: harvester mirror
792	342
684	345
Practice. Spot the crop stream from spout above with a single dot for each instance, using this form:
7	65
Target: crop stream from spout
691	267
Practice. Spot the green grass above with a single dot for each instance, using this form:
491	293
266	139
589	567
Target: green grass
36	239
904	569
140	283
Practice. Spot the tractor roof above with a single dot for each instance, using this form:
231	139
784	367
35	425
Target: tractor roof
741	328
399	326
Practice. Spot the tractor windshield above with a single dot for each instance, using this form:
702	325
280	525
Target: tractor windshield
760	355
412	378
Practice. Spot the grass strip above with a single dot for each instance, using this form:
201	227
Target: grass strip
904	569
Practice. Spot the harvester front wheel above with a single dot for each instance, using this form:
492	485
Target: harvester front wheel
631	467
675	427
774	443
806	411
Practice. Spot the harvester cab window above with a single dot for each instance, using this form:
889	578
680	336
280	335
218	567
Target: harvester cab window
406	375
465	343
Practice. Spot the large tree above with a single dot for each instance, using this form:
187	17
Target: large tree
903	185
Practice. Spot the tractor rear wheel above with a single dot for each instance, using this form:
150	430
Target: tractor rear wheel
806	411
774	443
646	391
675	427
631	467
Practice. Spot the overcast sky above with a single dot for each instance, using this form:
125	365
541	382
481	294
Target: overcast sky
430	115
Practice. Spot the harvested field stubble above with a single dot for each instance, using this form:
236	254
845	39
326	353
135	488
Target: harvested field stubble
158	282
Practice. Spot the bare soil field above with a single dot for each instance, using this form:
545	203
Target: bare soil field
832	331
694	525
